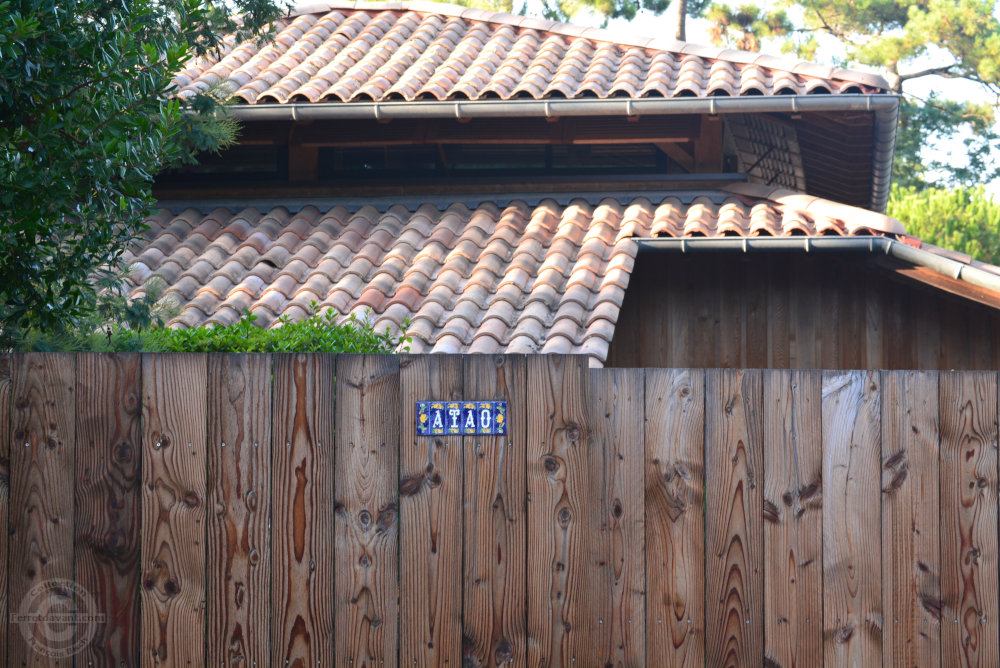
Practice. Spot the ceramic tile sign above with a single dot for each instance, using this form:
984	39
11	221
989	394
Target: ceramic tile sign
466	418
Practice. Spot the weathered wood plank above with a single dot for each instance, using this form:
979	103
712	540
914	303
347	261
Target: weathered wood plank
367	485
755	295
732	322
852	562
911	537
108	512
874	338
173	509
41	504
302	511
706	302
734	462
238	582
5	447
563	516
779	298
675	523
968	404
617	400
793	519
494	620
430	512
673	309
805	342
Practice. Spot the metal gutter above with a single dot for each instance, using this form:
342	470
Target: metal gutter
873	245
884	107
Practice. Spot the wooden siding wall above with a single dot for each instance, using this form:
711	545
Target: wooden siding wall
791	311
240	510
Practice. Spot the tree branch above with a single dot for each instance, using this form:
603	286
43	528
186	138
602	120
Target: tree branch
945	71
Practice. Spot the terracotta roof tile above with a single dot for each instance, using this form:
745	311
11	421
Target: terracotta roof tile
348	52
522	278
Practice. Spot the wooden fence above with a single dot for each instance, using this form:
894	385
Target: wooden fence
230	510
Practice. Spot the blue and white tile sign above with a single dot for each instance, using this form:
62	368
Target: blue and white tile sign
472	418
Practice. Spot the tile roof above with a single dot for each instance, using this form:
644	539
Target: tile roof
384	51
526	275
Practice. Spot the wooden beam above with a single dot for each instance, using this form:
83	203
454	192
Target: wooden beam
303	162
708	146
679	152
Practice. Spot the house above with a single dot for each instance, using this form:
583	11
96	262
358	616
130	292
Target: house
509	184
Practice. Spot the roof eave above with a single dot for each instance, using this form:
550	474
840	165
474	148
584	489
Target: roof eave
980	285
884	107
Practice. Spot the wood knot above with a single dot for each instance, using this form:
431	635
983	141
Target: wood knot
503	653
386	519
365	519
564	517
551	464
932	606
771	513
410	486
191	500
573	433
124	453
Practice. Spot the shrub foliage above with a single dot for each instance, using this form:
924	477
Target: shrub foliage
319	333
962	219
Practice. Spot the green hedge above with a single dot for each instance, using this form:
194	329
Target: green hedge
962	219
317	333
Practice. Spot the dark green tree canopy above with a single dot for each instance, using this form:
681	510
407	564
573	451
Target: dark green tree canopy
86	120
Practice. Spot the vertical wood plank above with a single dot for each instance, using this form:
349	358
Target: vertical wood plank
5	447
911	537
852	562
302	511
563	508
806	342
705	316
238	582
968	404
618	448
367	470
793	519
675	521
677	316
430	513
874	329
731	342
850	319
755	294
41	517
778	309
926	327
494	617
108	511
734	566
173	509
